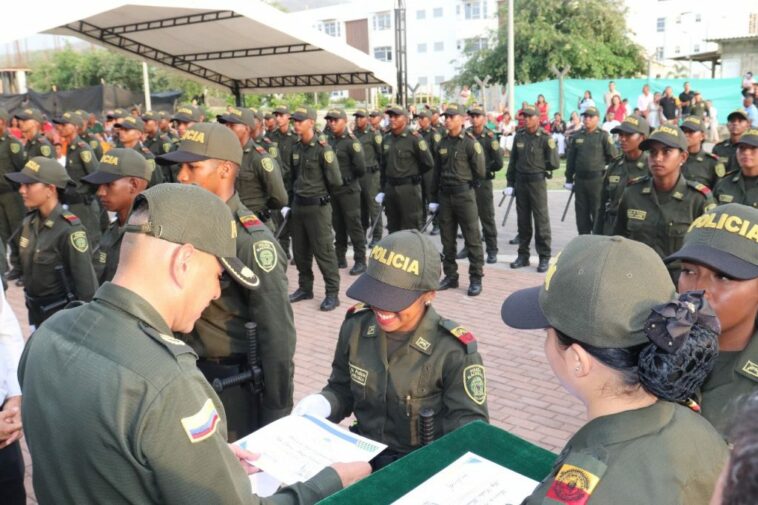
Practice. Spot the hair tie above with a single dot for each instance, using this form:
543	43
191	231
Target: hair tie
669	324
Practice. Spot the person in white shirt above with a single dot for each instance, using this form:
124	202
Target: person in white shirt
653	114
610	93
11	461
644	101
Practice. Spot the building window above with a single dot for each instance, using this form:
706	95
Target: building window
439	79
698	18
437	12
423	81
470	46
660	25
439	46
331	27
421	14
422	47
696	48
473	10
677	50
382	21
659	53
383	53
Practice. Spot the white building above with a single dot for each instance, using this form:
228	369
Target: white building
439	32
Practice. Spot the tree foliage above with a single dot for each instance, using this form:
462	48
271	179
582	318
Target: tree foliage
589	35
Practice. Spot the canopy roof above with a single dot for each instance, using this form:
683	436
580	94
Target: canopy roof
243	45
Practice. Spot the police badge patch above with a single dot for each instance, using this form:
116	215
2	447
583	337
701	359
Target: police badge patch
86	156
475	383
15	148
329	156
265	255
45	151
267	164
79	241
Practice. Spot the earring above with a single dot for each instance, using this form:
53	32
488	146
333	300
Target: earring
577	368
427	303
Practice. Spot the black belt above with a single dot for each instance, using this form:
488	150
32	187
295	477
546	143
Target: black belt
47	303
234	359
454	190
530	176
311	200
589	175
402	181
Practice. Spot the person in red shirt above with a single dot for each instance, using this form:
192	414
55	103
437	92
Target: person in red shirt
618	108
543	109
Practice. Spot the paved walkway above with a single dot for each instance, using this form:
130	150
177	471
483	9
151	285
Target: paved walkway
523	395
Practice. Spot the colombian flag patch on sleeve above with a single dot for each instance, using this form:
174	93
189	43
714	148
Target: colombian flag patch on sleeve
572	485
203	424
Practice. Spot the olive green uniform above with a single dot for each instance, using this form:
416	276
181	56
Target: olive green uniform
219	337
484	197
106	254
619	173
532	157
661	220
663	453
432	138
159	144
133	422
260	184
736	188
371	140
346	200
726	150
39	146
387	383
156	176
94	144
280	146
588	153
316	173
460	164
405	159
734	377
80	161
12	159
704	168
50	249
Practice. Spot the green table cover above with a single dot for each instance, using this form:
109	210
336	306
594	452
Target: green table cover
397	479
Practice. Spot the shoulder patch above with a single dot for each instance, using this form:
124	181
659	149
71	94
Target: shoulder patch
720	169
203	424
71	218
328	156
636	180
79	241
86	156
15	147
357	308
248	220
45	150
264	252
475	383
700	187
573	485
260	149
464	336
267	164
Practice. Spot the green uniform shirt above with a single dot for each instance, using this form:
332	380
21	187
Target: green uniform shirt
532	154
661	220
734	377
94	143
460	160
156	176
704	168
727	153
661	454
159	144
588	153
432	138
315	169
39	146
283	144
260	183
435	369
619	173
350	158
115	411
220	331
736	188
405	155
80	161
492	152
105	257
372	146
12	159
58	240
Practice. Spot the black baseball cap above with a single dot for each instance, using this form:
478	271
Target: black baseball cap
118	163
205	141
670	136
633	124
44	170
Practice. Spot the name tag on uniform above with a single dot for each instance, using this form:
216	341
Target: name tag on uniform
636	214
726	198
102	257
443	151
358	375
23	242
520	145
614	179
579	141
295	156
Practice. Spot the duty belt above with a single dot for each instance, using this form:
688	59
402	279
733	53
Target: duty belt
311	200
533	176
234	359
402	181
589	175
47	303
454	190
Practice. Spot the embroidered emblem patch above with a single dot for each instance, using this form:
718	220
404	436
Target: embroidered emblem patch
86	156
203	424
751	368
475	383
357	147
265	255
637	214
79	241
495	146
15	148
45	151
267	164
171	340
572	485
423	344
329	156
478	148
23	242
358	375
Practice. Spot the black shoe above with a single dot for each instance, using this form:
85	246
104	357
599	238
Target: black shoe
491	257
13	275
521	261
544	264
514	241
448	283
331	302
435	230
292	261
474	287
341	263
358	268
299	294
462	254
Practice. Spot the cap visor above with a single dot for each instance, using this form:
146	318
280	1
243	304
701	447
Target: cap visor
244	276
125	126
179	157
20	178
623	128
61	121
377	294
22	117
645	144
229	119
99	177
522	310
715	259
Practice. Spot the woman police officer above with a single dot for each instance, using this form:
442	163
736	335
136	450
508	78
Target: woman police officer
55	257
619	340
720	256
396	357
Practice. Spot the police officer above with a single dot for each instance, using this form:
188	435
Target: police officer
371	140
722	260
154	139
269	123
112	118
11	160
123	174
375	119
658	209
423	122
405	159
54	252
210	157
260	185
142	410
164	126
631	165
437	124
130	132
346	200
741	186
80	161
702	167
88	137
460	164
396	357
494	163
317	173
607	305
185	117
533	158
589	151
284	139
30	121
726	150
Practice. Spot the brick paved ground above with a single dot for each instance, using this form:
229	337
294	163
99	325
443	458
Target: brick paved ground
524	397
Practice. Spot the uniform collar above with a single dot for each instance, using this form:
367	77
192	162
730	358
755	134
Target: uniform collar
421	339
234	203
623	426
133	304
747	363
249	145
49	221
680	189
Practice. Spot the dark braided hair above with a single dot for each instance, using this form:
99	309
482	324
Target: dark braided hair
741	479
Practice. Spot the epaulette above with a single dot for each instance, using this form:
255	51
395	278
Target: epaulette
82	143
464	336
267	140
415	133
700	187
71	218
350	134
323	141
248	219
172	344
490	134
260	149
355	309
715	157
636	180
471	135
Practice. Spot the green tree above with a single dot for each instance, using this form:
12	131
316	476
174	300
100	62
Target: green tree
589	35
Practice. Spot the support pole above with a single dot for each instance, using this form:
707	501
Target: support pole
146	86
511	63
